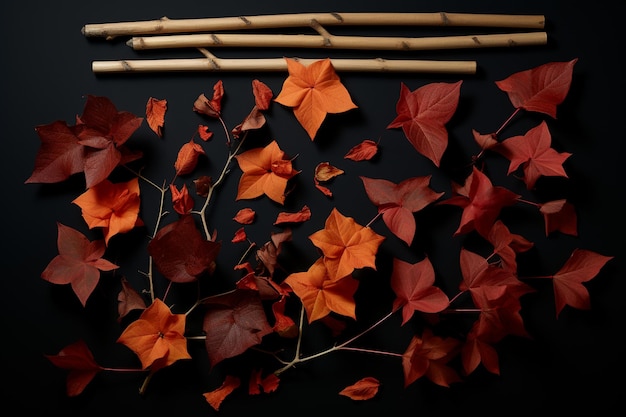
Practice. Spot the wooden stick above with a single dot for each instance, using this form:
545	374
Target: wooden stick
279	64
337	42
212	24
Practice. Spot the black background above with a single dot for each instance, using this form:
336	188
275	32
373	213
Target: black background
573	365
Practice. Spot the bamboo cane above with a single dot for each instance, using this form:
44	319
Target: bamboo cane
279	64
212	24
337	42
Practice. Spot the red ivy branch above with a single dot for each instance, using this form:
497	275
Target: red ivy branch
183	249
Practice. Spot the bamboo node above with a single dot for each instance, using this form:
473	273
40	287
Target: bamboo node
476	40
245	20
216	39
444	18
337	16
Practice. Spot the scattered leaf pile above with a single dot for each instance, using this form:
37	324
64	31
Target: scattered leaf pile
183	250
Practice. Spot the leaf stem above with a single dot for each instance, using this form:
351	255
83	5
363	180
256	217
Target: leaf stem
507	121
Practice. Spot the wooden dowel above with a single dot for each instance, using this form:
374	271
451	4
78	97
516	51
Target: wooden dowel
337	42
213	24
279	64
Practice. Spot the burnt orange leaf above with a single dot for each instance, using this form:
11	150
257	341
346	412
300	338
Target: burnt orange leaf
476	350
155	115
128	300
233	322
398	202
245	216
428	356
262	95
240	236
211	107
481	202
559	215
325	190
534	154
217	396
582	266
364	151
346	245
268	253
205	132
539	89
423	114
157	337
364	389
257	383
303	215
325	172
113	207
485	141
181	199
284	325
254	120
320	294
203	184
265	171
79	361
187	158
414	287
313	92
180	252
78	263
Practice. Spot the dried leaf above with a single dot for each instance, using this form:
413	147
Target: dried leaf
155	115
364	389
364	151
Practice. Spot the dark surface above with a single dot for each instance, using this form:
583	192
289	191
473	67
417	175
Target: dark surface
571	366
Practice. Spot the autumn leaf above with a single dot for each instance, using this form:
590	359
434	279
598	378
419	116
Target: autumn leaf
539	89
217	396
559	215
364	389
180	252
79	361
423	114
346	245
507	245
582	266
157	337
481	202
302	215
155	115
265	171
414	287
284	325
324	172
78	263
205	132
182	201
313	92
187	158
258	383
364	151
262	95
113	207
477	350
398	202
211	107
240	235
428	356
268	253
320	294
245	216
128	300
533	152
233	322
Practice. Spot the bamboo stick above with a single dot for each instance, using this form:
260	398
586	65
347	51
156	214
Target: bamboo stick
279	64
337	42
212	24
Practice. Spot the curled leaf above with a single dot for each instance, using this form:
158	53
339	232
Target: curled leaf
155	114
187	158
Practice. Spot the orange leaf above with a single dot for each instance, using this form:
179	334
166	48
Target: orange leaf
265	171
346	245
204	132
364	389
215	397
325	172
181	199
245	216
301	216
112	207
187	158
155	114
240	236
364	151
157	335
313	92
262	95
320	294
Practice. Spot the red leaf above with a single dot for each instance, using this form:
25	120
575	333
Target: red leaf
262	95
212	107
364	151
582	266
245	216
398	202
128	299
240	236
181	200
539	89
233	322
414	287
364	389
78	263
422	114
78	359
559	215
155	114
303	215
428	356
217	396
180	252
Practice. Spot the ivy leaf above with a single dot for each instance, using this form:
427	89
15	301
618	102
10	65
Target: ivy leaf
180	252
233	322
398	202
534	154
78	263
539	89
313	92
582	266
79	361
422	114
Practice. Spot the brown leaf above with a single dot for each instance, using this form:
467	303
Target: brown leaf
155	114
